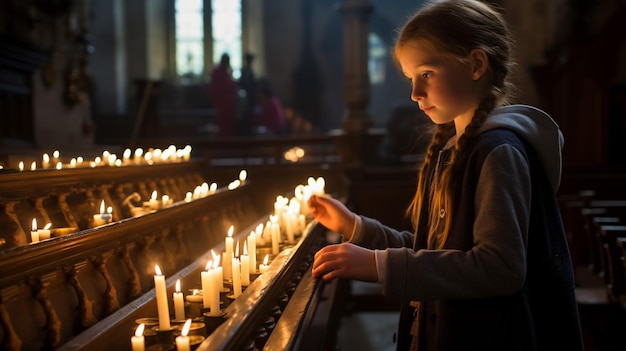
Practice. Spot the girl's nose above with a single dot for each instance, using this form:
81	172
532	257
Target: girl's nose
417	93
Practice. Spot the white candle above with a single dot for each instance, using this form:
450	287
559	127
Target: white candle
227	259
259	235
161	297
206	286
252	251
137	341
219	271
275	232
263	267
236	277
101	218
45	232
179	303
34	233
153	204
215	280
245	266
195	301
182	341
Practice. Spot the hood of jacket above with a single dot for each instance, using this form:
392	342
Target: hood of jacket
538	129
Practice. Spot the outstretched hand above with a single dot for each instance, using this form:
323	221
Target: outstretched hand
345	260
332	214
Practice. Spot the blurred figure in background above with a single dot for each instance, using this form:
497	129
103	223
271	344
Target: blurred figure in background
271	113
223	92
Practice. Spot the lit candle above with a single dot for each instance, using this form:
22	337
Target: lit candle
161	296
153	204
20	166
245	266
101	218
263	267
252	248
243	175
45	161
179	303
34	233
165	200
195	301
275	232
206	285
188	196
137	341
219	271
215	280
33	166
182	341
228	254
45	232
236	277
259	235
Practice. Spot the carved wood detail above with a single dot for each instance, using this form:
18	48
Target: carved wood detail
85	305
53	324
134	284
112	303
12	341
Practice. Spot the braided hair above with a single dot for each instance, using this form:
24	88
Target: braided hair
456	27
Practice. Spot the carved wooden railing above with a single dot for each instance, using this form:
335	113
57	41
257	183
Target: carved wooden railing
89	283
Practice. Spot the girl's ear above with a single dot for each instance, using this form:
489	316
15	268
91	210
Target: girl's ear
479	63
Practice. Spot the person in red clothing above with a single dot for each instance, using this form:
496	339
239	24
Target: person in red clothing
271	113
223	92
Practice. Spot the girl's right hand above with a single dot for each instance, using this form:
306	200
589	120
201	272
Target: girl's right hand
332	214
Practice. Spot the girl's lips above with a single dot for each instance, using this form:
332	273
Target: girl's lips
426	109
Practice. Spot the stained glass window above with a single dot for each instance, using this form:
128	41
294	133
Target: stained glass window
226	28
189	39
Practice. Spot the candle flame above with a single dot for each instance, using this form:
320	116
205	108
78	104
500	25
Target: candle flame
46	158
140	328
195	292
274	218
217	261
109	210
245	248
34	225
47	226
157	269
59	165
178	285
243	175
55	154
102	207
265	260
33	166
237	249
231	230
213	187
186	327
21	165
208	265
213	254
154	195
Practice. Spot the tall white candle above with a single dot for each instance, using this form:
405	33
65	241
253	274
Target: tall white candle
252	252
215	279
275	232
236	277
228	254
182	341
263	267
34	233
245	266
179	303
206	286
161	297
219	271
137	342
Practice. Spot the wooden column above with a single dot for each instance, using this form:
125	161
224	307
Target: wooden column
357	141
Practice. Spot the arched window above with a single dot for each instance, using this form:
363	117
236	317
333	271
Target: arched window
194	44
377	59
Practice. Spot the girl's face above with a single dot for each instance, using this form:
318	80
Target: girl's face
444	87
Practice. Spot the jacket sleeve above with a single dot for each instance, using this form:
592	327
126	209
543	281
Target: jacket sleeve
496	263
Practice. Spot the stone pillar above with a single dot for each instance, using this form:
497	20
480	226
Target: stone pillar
357	142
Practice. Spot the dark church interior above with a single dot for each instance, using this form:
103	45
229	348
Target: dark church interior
115	160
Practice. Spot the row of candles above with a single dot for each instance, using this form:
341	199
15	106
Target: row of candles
288	213
105	215
129	157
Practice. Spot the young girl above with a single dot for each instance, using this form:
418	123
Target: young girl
488	266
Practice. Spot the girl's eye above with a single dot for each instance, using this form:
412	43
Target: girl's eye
427	75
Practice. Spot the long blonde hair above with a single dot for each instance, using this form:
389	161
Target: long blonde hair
456	27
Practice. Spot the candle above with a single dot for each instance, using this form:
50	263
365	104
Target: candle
33	166
252	250
161	296
215	280
263	267
137	341
182	341
243	175
45	232
46	161
179	303
245	266
275	233
165	200
229	254
206	285
236	277
34	233
219	271
102	217
259	235
195	301
153	204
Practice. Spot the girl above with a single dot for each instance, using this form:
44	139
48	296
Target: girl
488	266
